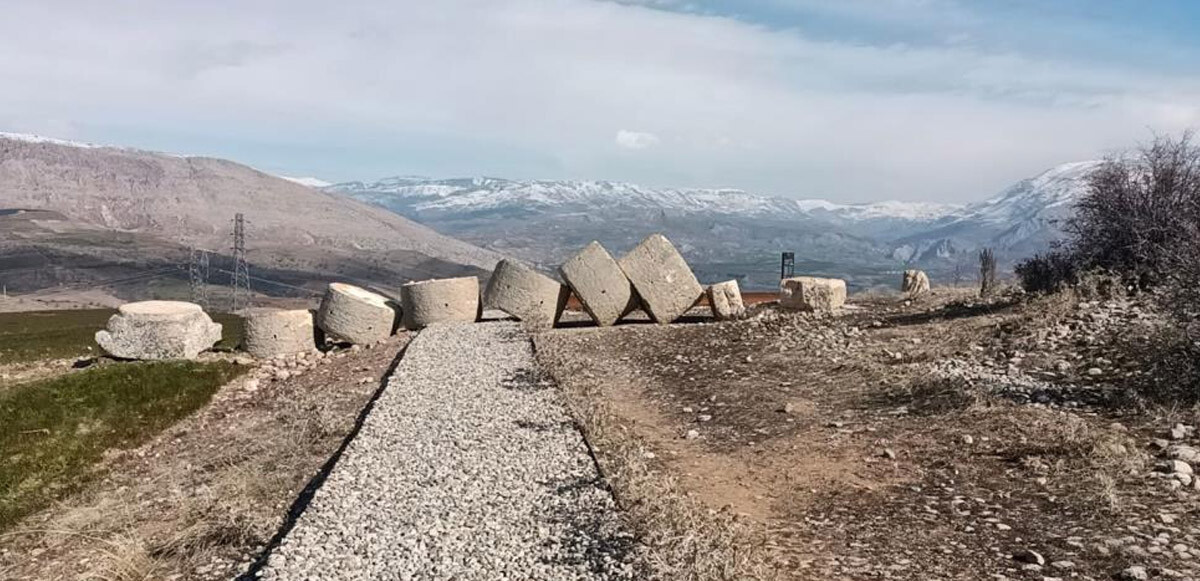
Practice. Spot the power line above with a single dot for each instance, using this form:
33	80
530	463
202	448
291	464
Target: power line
276	283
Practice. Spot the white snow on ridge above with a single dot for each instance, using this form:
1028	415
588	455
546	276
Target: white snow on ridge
309	181
466	194
1053	190
31	138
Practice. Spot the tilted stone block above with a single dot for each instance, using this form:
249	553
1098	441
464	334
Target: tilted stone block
915	283
662	278
532	297
356	315
599	284
158	330
807	293
274	332
725	298
443	300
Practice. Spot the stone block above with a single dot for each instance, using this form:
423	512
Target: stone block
275	332
662	278
532	297
807	293
158	330
599	284
725	298
356	315
915	283
443	300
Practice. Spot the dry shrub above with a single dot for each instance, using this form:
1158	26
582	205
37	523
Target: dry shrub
683	540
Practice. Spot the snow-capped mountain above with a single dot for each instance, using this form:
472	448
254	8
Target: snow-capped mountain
734	233
1020	221
434	197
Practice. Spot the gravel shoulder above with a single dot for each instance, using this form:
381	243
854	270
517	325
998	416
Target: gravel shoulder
468	466
201	500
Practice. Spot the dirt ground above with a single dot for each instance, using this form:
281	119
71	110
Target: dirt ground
204	498
855	452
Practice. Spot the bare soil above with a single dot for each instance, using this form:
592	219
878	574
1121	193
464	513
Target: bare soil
852	458
203	499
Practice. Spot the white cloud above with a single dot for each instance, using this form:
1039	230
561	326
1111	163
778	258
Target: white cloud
636	139
534	88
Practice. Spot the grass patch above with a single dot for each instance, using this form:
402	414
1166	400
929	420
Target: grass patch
35	335
53	431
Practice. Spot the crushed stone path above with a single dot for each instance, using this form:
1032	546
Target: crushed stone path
468	467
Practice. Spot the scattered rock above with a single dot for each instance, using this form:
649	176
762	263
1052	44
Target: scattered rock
1029	556
1134	573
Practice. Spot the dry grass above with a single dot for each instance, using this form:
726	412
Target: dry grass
682	540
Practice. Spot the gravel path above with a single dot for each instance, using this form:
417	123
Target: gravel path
468	467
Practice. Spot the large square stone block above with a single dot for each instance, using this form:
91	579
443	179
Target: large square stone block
662	278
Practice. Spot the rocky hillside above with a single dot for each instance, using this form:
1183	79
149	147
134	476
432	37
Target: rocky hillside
182	201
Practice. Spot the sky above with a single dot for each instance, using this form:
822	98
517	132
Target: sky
848	100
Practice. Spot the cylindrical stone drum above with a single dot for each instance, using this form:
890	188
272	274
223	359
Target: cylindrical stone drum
532	297
275	332
441	300
356	315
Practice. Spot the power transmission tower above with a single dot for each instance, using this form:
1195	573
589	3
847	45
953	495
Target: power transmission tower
787	265
240	278
198	276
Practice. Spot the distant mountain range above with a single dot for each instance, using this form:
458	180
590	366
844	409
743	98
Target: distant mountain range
733	233
131	211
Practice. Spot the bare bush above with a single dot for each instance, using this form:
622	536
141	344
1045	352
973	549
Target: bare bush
1049	272
1140	214
987	272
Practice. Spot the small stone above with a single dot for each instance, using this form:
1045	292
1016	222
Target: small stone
704	418
1134	573
692	434
1095	371
1180	431
1029	556
968	439
1003	527
1178	467
1062	565
888	453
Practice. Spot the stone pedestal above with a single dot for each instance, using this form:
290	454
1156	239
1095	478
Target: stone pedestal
158	330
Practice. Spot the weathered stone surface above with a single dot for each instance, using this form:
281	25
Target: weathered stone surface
158	330
915	283
662	278
599	284
356	315
726	300
808	293
275	332
443	300
532	297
